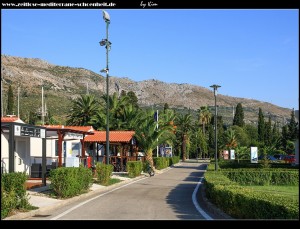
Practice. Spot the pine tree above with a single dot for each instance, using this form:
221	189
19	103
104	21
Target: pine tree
293	127
10	101
238	119
261	126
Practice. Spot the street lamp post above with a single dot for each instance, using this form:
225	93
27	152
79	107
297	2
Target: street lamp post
107	44
215	87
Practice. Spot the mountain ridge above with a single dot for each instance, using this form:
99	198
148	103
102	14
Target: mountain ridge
69	82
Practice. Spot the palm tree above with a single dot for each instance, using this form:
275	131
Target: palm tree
130	117
168	116
204	117
184	123
116	107
98	121
242	152
83	110
230	141
148	136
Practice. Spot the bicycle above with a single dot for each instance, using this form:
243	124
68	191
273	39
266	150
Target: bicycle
150	170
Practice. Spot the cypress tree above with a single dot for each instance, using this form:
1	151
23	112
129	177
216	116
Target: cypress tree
293	128
268	132
133	99
275	132
261	126
238	119
166	107
123	93
10	101
284	137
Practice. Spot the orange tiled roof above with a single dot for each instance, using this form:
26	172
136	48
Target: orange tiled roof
114	136
11	119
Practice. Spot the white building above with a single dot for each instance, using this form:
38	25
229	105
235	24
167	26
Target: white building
24	153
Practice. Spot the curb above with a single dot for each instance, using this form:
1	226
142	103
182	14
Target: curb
201	196
210	206
41	210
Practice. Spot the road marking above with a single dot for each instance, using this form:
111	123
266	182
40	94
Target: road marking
194	198
78	205
199	209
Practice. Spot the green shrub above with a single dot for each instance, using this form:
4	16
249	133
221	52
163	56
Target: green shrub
242	203
161	162
104	172
69	182
134	168
263	176
173	160
13	193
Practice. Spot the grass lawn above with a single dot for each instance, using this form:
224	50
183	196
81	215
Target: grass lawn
291	192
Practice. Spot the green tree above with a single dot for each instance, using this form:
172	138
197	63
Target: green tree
238	119
230	139
252	134
98	121
10	101
268	132
33	118
166	107
241	136
242	152
83	110
184	125
148	136
133	99
284	137
261	126
293	127
275	134
123	93
204	117
202	144
130	117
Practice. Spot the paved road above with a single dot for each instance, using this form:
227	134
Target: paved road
166	196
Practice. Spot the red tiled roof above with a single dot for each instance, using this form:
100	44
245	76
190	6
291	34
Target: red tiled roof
114	136
11	119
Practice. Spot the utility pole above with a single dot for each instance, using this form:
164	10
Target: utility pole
42	105
18	102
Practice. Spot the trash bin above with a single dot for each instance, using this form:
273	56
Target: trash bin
36	171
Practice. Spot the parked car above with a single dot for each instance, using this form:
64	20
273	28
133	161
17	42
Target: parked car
289	158
269	157
279	156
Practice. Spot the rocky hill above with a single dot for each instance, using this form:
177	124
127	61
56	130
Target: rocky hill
62	84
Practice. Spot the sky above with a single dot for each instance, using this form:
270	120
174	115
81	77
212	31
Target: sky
250	53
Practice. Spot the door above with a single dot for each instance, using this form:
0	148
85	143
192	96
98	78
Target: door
21	159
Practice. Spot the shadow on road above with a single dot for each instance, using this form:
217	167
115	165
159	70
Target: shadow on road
180	197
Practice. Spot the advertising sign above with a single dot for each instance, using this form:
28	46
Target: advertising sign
232	154
254	154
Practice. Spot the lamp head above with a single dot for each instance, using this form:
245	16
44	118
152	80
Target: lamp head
106	16
215	87
102	42
104	70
